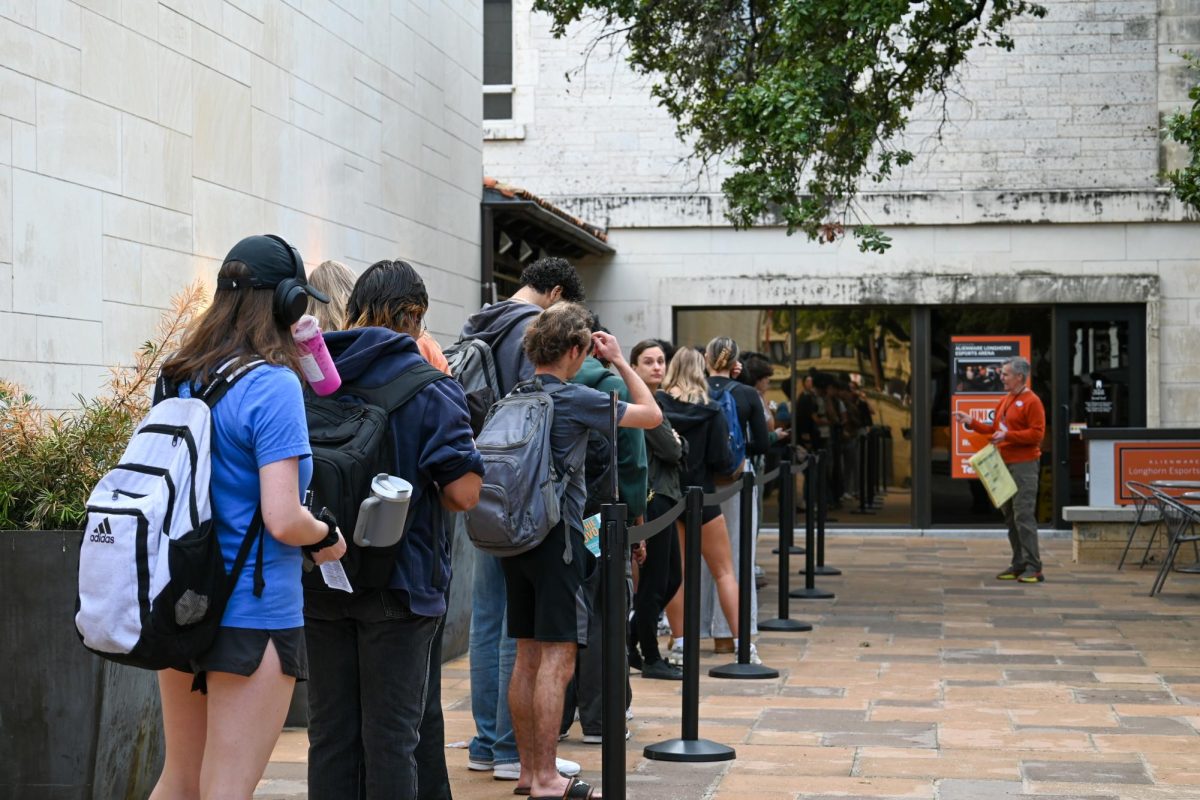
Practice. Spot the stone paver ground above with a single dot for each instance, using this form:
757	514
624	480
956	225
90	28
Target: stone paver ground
926	679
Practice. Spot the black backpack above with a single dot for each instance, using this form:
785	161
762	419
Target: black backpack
351	443
600	464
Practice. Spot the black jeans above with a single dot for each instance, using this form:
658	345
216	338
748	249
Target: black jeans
658	580
371	666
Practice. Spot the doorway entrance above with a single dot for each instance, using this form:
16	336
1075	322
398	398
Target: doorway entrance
1089	368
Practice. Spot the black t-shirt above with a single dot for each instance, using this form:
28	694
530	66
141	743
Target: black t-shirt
750	413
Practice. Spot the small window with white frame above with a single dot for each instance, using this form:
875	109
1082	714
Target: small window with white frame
497	60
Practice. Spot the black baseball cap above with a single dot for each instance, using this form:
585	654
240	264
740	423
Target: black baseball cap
271	261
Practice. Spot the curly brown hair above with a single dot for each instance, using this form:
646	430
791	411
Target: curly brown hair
556	330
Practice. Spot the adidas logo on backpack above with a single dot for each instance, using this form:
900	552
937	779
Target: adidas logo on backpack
103	534
152	581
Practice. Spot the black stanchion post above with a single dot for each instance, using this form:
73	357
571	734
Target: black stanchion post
742	668
813	502
822	510
869	496
689	747
612	579
787	511
864	446
787	531
876	439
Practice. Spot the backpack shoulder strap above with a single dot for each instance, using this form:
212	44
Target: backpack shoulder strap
399	390
228	374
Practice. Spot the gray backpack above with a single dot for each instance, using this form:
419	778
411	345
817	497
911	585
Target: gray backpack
521	498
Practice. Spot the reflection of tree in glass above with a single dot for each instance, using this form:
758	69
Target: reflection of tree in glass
864	329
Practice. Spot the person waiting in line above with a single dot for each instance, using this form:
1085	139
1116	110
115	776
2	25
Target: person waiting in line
502	327
756	373
335	280
547	598
375	716
720	356
661	572
1017	429
219	738
685	402
583	693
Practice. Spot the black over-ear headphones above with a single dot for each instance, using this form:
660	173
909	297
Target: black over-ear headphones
291	300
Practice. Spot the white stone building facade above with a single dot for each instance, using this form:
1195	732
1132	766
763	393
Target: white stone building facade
139	140
1044	188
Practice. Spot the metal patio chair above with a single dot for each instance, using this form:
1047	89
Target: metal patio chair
1142	502
1182	523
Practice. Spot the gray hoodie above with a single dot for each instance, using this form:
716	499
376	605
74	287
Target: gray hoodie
501	326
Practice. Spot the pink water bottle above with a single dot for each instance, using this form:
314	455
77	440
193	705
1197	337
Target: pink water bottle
315	361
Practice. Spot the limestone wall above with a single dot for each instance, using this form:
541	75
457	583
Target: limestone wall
139	140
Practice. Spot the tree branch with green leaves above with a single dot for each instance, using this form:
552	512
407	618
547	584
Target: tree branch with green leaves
1183	127
804	100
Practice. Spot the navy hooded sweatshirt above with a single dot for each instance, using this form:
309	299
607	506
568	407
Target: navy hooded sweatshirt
433	447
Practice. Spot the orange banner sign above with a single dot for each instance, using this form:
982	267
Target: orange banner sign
1155	461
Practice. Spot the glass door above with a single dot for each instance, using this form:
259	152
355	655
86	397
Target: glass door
1099	382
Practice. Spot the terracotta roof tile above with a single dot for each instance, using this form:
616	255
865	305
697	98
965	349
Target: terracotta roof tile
517	192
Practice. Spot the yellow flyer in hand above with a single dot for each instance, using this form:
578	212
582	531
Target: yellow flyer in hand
996	478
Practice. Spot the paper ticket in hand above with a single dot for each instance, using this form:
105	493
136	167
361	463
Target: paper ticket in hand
591	534
335	576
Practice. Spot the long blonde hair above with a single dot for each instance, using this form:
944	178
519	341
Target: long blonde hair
685	377
336	280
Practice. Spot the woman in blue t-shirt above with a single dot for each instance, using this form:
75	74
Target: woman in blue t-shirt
222	721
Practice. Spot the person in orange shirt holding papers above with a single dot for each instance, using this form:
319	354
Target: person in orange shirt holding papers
1016	430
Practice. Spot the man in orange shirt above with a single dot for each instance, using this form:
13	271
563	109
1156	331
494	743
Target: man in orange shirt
1016	430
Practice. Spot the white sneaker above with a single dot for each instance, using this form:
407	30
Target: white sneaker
512	771
629	713
479	766
595	738
664	627
674	654
754	659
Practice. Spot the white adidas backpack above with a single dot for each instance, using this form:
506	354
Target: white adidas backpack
152	582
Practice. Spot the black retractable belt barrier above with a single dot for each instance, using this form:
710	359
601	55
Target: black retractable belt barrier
796	549
614	554
742	668
612	579
689	747
813	503
787	531
864	448
822	512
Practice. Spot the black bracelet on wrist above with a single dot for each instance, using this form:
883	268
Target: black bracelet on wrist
331	538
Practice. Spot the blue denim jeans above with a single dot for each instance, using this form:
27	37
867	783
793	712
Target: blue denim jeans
370	666
492	655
